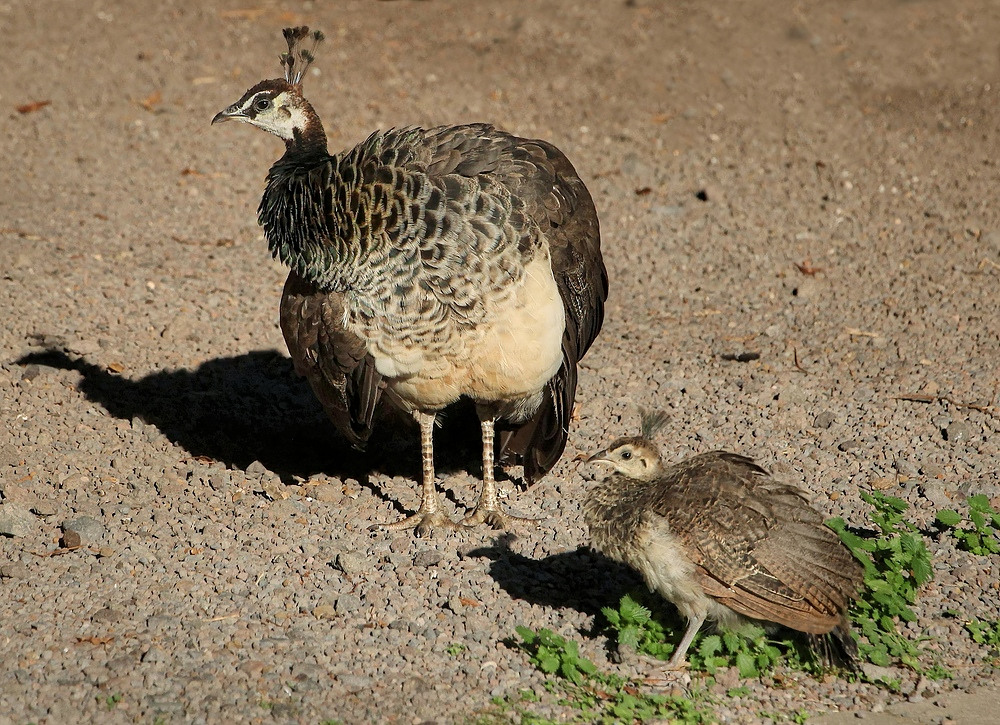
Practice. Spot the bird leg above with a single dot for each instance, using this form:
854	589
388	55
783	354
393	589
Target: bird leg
679	661
488	509
429	515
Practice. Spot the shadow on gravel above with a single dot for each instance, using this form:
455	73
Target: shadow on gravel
253	407
582	579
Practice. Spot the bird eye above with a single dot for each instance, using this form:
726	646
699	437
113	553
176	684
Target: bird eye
626	455
262	104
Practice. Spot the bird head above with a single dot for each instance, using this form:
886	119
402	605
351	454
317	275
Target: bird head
274	105
277	105
636	458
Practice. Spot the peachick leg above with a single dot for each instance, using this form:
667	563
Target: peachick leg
679	660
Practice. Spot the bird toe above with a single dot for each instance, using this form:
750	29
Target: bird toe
423	524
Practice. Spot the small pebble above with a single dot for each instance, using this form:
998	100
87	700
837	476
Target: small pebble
825	419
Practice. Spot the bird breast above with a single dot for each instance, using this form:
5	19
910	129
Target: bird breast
511	352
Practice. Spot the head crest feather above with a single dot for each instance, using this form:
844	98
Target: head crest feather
297	60
652	421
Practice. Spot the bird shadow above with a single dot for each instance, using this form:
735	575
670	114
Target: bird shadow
582	579
253	407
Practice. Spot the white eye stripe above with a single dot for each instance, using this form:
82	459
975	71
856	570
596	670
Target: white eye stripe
253	100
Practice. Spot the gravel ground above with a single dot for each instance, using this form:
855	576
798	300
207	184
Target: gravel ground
185	539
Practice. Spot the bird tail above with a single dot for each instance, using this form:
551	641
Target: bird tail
836	648
538	443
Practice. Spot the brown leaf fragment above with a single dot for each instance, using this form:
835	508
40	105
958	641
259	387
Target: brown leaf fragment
807	269
116	367
151	101
469	602
643	191
95	640
32	107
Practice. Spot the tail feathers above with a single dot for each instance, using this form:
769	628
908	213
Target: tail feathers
538	443
836	648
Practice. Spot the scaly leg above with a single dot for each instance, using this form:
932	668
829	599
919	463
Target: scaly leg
679	660
429	515
488	509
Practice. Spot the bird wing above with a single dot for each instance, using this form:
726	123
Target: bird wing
569	221
758	546
333	360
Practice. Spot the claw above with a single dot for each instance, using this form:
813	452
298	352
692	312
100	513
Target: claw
423	523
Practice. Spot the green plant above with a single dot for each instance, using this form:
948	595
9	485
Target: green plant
111	701
896	564
598	697
554	654
988	634
750	650
982	538
455	649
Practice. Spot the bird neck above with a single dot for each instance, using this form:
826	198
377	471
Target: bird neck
306	219
309	138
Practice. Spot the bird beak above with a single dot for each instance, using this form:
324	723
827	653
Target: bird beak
600	457
228	114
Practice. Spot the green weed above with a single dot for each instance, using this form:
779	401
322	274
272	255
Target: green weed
983	536
896	564
751	650
987	634
597	697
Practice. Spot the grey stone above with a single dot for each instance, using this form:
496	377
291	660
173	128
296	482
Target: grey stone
16	521
825	419
16	570
355	683
350	562
89	528
9	455
43	508
347	603
324	492
154	654
106	615
427	557
932	470
957	432
256	470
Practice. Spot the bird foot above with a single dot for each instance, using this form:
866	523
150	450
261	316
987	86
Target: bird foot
423	523
496	518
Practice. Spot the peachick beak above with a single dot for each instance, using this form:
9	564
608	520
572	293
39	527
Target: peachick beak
599	457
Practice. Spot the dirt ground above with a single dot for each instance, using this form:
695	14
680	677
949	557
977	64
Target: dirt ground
813	182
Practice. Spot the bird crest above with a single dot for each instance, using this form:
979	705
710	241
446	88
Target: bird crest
298	59
652	422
